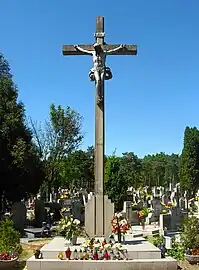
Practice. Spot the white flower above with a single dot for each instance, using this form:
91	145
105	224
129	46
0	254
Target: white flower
76	222
123	222
68	223
118	215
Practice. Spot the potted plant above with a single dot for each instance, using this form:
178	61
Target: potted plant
190	239
7	260
10	247
68	227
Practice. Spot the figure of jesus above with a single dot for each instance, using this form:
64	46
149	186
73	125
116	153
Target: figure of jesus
99	72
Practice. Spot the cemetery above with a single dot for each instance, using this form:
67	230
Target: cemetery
73	209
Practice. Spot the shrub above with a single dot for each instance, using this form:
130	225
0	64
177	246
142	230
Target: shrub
156	240
190	232
177	251
9	237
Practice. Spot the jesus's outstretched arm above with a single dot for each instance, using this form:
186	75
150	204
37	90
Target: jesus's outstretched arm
82	50
116	49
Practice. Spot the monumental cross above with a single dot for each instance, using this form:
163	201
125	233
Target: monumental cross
99	209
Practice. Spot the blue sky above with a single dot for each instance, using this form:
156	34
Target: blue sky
152	96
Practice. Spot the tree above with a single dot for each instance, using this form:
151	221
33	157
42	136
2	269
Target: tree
20	169
116	184
78	170
160	169
60	136
189	161
4	68
131	169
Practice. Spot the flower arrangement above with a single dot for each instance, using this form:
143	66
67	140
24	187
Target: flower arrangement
67	226
30	215
93	249
6	256
169	204
65	196
143	213
120	224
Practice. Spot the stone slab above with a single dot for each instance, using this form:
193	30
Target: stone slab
141	264
148	231
138	248
33	232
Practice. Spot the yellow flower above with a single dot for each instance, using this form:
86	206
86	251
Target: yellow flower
87	242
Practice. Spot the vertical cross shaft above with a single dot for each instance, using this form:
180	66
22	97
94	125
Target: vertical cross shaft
99	123
99	209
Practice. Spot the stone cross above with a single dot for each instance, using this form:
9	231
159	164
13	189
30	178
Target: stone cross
99	73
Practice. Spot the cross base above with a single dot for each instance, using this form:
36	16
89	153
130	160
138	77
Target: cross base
99	212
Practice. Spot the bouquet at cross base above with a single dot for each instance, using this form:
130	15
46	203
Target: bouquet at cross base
68	226
119	224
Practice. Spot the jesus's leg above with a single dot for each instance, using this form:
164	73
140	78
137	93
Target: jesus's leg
98	86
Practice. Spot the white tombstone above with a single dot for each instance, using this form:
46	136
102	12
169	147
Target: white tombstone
168	242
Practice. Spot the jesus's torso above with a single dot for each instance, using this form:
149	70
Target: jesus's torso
99	60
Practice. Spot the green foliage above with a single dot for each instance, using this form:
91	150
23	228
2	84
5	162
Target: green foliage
160	169
131	169
78	170
190	232
177	251
189	161
60	136
18	155
146	211
116	183
156	240
4	67
67	226
9	237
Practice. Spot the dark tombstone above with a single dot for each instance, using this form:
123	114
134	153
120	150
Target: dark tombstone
39	212
18	215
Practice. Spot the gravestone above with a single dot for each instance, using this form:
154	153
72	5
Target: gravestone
127	209
39	212
77	210
18	216
157	209
99	210
182	203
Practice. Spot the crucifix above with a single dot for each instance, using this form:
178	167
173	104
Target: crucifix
100	207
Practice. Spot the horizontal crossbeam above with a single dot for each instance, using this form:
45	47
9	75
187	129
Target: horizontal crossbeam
127	50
